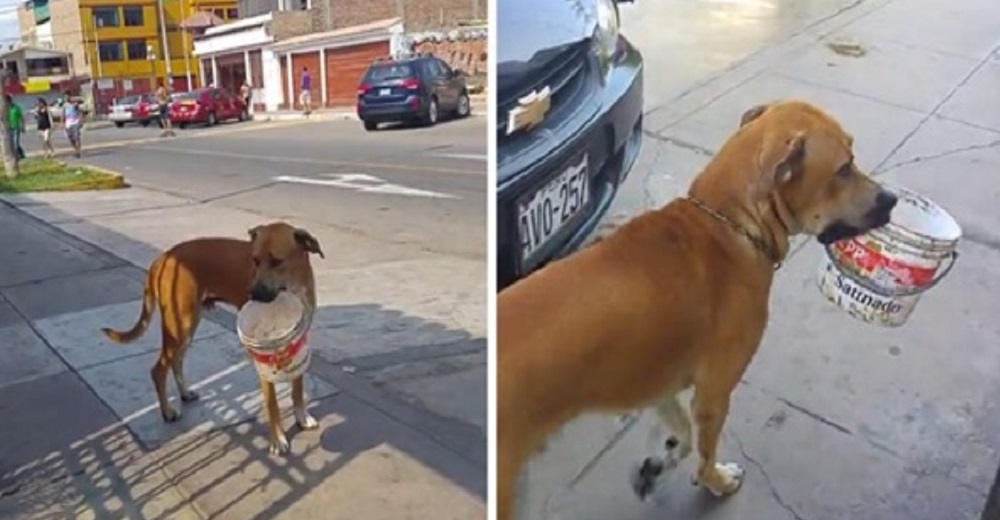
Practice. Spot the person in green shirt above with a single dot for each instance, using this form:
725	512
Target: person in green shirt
15	121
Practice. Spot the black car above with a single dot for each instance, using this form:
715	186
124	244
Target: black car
569	127
414	89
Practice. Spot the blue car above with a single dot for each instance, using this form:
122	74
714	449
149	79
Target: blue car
569	126
412	90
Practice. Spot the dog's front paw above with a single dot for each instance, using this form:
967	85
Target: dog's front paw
306	421
645	477
722	480
279	445
170	415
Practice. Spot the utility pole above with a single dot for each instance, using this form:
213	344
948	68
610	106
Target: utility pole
6	143
165	50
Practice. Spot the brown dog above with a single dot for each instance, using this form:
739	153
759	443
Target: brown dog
678	297
198	273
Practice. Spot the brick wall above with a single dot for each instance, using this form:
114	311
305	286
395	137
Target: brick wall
466	53
417	15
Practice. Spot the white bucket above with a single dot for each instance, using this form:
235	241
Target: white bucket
275	335
880	276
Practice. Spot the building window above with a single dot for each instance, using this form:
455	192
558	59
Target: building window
232	14
221	13
105	16
133	16
110	51
304	5
137	50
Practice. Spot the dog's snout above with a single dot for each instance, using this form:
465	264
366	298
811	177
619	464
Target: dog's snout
262	293
885	200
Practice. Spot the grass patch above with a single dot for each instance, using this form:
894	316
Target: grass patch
51	175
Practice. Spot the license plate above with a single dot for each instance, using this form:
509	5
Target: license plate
384	91
545	212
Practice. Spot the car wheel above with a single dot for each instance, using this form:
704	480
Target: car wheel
371	126
463	108
145	123
432	113
243	116
119	124
183	126
212	121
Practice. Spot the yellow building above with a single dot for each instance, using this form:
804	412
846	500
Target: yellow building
124	39
122	44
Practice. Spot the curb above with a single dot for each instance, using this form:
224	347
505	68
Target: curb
476	111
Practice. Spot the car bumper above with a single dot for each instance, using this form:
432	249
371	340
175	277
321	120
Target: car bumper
125	118
611	137
188	117
393	112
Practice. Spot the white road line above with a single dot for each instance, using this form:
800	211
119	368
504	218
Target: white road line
364	183
468	156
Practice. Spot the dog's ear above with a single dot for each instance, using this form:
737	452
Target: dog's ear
253	232
308	242
752	114
781	161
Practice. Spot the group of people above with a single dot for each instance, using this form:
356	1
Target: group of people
72	122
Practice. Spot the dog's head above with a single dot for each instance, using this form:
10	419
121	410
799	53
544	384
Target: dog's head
280	255
806	160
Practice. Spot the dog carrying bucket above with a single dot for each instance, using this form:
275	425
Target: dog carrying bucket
880	276
275	335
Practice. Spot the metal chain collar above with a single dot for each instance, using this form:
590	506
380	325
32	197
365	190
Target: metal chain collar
757	241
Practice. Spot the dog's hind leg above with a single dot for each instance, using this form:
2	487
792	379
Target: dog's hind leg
678	447
177	367
711	406
159	375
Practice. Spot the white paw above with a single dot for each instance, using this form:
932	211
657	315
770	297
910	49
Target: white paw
279	445
306	421
729	479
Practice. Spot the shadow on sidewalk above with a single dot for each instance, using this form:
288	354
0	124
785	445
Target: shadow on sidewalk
64	453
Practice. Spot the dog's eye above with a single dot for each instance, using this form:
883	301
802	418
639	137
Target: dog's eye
256	262
274	262
845	171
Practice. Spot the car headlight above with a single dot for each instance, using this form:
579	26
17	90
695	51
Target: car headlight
605	39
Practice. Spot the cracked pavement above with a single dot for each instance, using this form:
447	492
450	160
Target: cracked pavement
835	419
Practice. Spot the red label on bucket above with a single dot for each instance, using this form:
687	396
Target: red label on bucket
872	262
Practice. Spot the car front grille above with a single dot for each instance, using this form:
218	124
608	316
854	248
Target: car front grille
566	79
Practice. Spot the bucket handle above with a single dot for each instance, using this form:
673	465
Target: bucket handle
899	293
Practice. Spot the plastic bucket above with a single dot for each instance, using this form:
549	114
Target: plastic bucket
275	335
880	276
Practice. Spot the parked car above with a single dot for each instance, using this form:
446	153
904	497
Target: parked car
140	109
569	126
414	89
206	106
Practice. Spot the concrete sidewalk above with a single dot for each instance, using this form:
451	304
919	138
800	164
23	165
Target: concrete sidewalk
401	434
836	419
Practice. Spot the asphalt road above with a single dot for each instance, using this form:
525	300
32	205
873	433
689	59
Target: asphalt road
424	187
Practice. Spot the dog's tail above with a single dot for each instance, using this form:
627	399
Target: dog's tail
148	300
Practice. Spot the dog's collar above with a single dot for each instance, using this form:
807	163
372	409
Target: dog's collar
758	242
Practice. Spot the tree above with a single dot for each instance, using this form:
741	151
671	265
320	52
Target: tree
6	143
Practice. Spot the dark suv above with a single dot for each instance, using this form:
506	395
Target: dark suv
569	127
415	89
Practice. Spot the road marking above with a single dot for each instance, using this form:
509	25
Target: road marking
307	160
468	156
363	183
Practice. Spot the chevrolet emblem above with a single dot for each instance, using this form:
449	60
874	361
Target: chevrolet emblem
530	111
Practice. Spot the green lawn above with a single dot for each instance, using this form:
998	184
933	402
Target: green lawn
51	175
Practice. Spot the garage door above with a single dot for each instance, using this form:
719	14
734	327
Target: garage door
344	68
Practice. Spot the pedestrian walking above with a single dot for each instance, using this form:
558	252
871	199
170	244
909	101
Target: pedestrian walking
15	121
73	123
43	119
245	94
305	96
163	105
